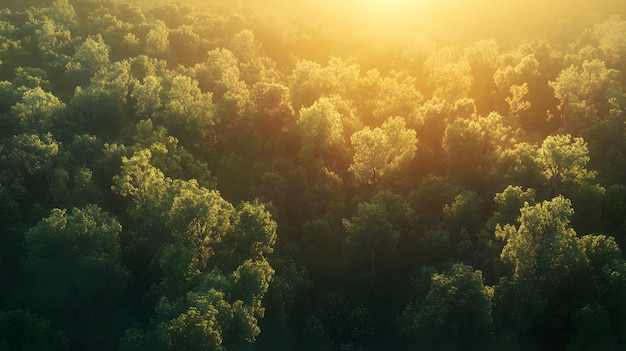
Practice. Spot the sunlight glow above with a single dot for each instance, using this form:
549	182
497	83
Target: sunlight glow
388	8
394	5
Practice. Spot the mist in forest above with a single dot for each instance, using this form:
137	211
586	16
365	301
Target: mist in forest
312	175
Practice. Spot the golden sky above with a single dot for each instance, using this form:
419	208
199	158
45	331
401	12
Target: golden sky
484	17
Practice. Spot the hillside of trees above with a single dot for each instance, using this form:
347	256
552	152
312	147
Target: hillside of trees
251	175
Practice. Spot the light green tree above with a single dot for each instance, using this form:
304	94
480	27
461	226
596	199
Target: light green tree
309	81
514	69
157	42
543	249
147	96
449	74
37	110
90	57
168	156
381	151
220	75
516	101
396	96
601	250
30	78
40	155
564	161
508	203
321	126
254	232
518	165
199	216
187	112
202	236
584	93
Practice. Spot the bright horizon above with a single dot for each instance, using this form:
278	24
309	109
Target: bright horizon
480	18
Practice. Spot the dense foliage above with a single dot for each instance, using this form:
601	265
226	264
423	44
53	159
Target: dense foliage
225	176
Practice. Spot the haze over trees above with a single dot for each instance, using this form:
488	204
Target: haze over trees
279	175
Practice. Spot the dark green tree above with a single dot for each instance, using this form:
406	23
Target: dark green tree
455	314
74	276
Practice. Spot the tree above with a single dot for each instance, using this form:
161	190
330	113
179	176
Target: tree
549	270
543	248
157	42
187	112
397	96
463	149
600	322
144	184
254	232
456	313
309	81
321	126
90	57
601	250
40	155
508	203
37	110
592	326
51	41
147	95
274	113
382	151
186	47
372	231
251	282
253	66
62	12
205	319
584	94
31	78
220	75
195	328
12	237
434	116
432	194
606	39
199	216
482	57
563	159
449	75
514	69
101	104
462	219
518	165
168	156
74	275
193	323
516	101
470	145
24	330
202	236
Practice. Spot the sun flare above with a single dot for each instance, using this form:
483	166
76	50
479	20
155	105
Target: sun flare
387	8
393	5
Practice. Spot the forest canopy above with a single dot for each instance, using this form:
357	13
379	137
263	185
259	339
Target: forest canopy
293	175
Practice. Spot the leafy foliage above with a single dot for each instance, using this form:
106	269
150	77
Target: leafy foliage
243	176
